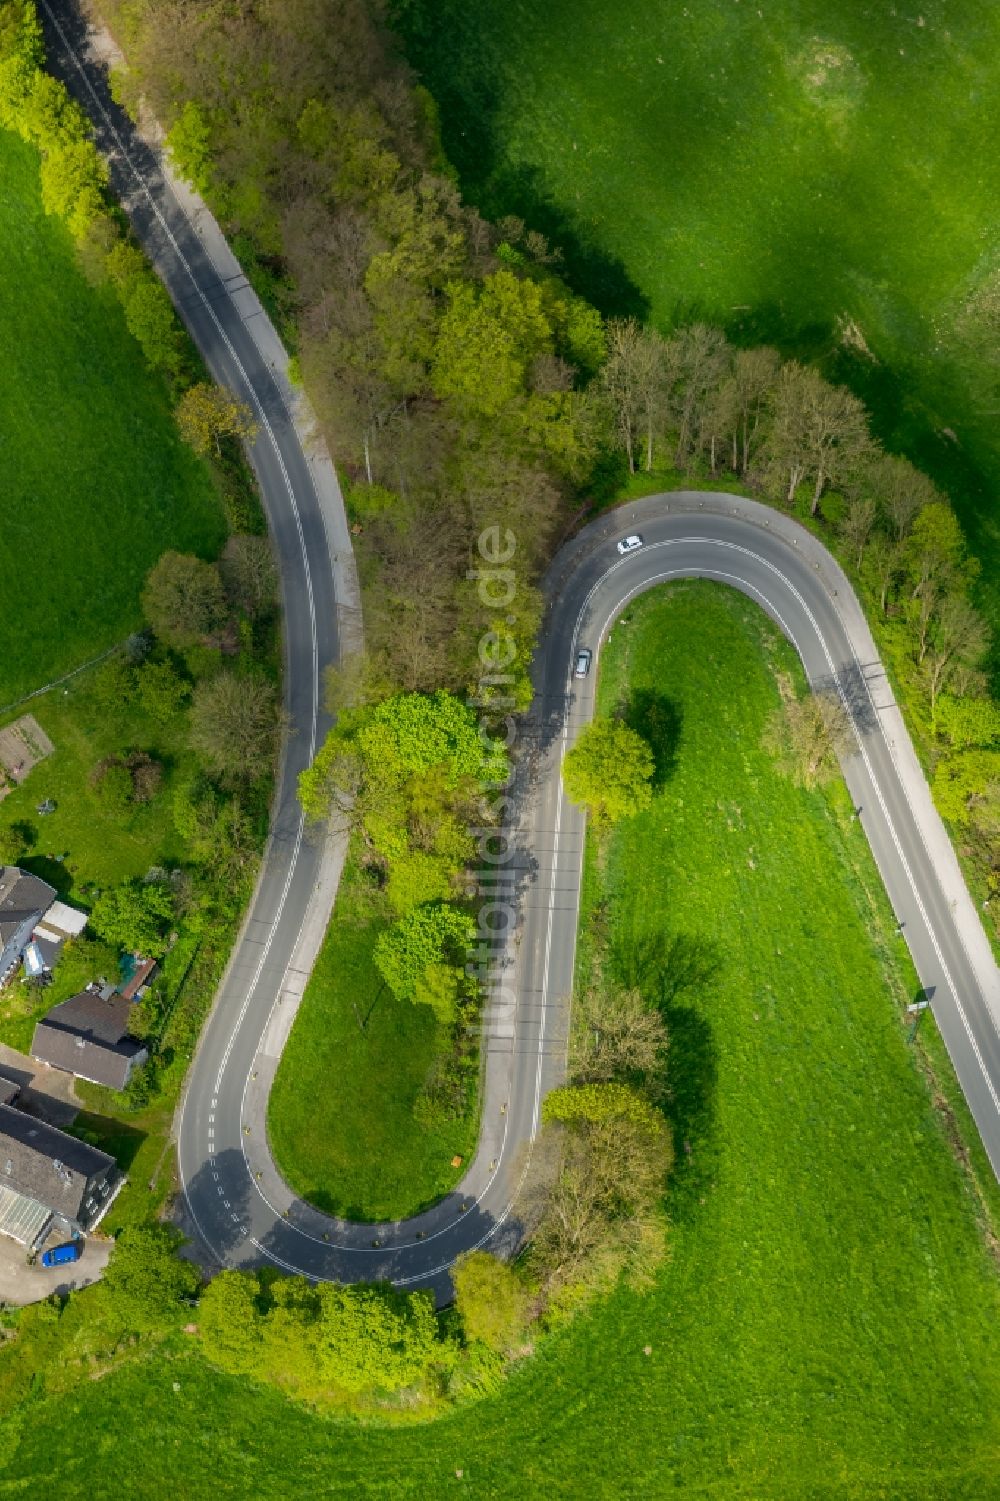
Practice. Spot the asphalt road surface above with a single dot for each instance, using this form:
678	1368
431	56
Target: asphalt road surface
238	1206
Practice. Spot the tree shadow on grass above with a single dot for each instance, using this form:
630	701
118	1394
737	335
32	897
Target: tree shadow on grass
674	973
658	720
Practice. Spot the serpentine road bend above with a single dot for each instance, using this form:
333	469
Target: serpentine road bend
237	1204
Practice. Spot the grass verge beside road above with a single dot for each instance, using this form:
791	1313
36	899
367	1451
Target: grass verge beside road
96	480
341	1116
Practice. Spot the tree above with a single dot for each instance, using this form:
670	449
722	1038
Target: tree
208	414
696	363
957	641
421	957
597	1197
373	1338
229	1315
616	1035
934	554
183	599
633	382
145	1278
962	781
856	526
163	693
234	725
249	576
899	490
817	431
754	374
491	1301
488	341
134	917
599	1103
609	771
968	722
809	735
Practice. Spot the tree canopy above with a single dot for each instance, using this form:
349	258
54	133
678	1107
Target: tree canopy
609	771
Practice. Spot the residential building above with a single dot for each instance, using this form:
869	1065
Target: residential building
88	1036
47	1176
34	925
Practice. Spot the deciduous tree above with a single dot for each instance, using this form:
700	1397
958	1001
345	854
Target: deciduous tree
183	599
491	1300
208	414
235	721
609	771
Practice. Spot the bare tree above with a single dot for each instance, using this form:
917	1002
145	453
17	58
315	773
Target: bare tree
633	382
957	637
697	362
808	736
616	1034
817	432
856	526
899	490
249	576
885	561
755	372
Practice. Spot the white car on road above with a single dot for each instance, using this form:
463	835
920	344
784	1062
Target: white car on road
629	544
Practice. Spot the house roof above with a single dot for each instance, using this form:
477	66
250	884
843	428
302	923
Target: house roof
9	1089
22	893
88	1035
138	978
45	1164
66	922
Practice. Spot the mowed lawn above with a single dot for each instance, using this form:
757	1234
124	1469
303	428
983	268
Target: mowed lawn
825	1327
94	481
340	1120
801	172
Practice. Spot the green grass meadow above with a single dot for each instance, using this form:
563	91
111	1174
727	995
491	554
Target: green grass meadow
340	1118
800	173
825	1326
95	482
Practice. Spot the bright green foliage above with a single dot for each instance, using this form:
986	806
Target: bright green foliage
187	142
162	691
134	917
609	771
935	548
966	722
421	956
490	1299
416	731
228	1314
600	1102
310	1339
959	780
146	1278
372	1338
207	414
148	310
488	342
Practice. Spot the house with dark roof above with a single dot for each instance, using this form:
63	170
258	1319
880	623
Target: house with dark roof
88	1036
47	1176
24	901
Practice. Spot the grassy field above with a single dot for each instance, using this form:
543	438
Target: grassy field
96	483
825	1325
801	173
341	1121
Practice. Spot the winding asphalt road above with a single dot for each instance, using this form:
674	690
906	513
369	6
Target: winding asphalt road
237	1204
